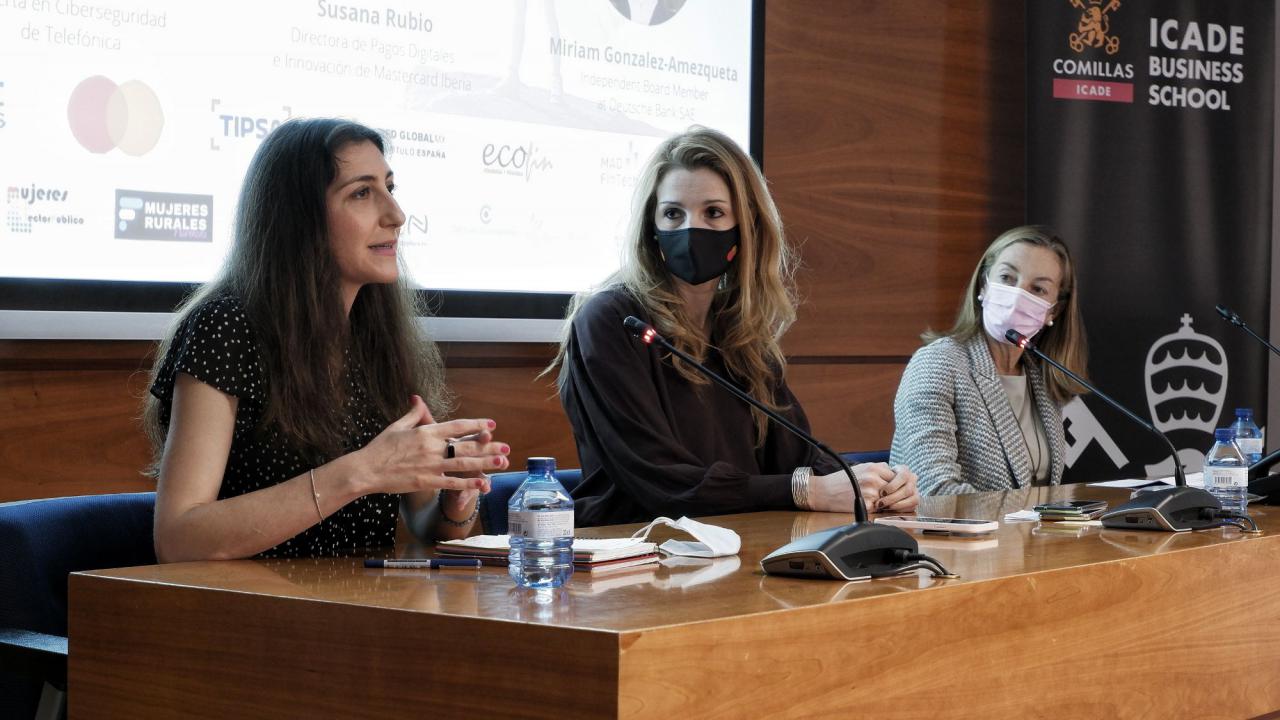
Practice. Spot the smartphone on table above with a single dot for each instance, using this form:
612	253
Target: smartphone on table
956	526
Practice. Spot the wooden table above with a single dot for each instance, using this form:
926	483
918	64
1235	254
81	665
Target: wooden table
1042	622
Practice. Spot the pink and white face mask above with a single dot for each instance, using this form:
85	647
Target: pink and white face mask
1005	307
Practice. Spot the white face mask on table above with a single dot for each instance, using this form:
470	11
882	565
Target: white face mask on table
713	541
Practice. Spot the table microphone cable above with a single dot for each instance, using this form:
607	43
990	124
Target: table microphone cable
920	561
1230	518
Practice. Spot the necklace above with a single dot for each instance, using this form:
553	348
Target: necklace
1036	456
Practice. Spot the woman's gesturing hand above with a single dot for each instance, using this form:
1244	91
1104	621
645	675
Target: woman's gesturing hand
417	453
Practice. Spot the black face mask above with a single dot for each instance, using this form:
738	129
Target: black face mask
696	255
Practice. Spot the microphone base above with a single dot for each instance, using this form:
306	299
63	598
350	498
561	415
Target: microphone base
1268	486
1175	509
859	551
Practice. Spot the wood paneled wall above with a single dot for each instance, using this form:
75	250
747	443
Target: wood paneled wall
894	145
895	149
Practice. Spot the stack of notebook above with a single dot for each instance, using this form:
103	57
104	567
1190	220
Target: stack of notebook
589	554
1071	510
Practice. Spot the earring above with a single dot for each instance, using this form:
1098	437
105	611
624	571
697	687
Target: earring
724	282
1050	323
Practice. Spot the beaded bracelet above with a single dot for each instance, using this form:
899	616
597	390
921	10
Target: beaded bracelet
475	510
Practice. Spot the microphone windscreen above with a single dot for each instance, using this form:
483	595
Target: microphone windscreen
635	325
1228	315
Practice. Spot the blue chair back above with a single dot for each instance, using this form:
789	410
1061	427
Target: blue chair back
493	506
41	542
871	456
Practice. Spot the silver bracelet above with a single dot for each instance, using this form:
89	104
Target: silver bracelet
475	511
800	487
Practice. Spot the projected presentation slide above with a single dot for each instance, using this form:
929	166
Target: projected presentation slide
516	129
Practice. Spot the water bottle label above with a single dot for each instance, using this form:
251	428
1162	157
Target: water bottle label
1224	477
1250	446
540	524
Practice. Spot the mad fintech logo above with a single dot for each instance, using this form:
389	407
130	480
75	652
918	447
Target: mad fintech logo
144	215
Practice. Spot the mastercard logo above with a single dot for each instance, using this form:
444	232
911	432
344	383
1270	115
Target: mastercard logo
104	116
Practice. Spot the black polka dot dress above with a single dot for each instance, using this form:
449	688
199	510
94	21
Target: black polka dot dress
216	346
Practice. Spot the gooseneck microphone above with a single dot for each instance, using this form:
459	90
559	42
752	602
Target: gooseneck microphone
645	332
1025	343
857	551
1234	319
1260	483
1175	509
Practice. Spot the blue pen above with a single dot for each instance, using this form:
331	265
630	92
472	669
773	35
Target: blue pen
427	563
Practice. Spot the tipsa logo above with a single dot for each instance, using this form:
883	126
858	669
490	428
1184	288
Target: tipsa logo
517	160
1094	29
105	116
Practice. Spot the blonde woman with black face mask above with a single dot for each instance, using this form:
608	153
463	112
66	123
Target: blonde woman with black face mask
707	264
973	412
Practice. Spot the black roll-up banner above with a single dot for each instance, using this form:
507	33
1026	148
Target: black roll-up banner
1150	149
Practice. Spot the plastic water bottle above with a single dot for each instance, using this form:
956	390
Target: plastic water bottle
540	524
1226	472
1248	436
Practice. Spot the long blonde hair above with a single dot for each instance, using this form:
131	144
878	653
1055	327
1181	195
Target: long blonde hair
755	303
1064	341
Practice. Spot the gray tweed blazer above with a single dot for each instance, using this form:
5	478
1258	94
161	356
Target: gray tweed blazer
955	428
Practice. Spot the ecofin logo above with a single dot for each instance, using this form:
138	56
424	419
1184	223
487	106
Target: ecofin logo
517	160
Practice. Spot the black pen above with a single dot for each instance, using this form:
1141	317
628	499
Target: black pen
425	563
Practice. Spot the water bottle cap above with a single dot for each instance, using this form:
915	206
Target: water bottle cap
541	465
1224	435
1244	412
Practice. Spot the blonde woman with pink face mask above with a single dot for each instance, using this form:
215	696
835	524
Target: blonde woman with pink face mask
973	412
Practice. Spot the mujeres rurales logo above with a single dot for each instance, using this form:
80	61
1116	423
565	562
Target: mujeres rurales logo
142	215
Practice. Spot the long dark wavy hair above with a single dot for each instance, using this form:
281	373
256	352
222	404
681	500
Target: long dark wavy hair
281	268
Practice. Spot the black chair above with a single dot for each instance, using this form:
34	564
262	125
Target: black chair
870	456
493	506
41	542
